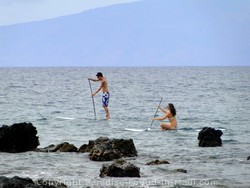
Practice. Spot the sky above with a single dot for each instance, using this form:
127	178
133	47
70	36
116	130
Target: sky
21	11
143	33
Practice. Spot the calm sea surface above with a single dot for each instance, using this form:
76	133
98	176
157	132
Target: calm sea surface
217	97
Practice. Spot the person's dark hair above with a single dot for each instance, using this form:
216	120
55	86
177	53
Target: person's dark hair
99	74
172	109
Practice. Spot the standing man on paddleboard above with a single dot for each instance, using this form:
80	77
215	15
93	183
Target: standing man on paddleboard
105	91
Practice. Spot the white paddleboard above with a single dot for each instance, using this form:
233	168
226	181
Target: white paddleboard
137	130
67	118
86	118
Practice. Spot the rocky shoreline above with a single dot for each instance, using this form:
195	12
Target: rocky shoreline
19	182
21	137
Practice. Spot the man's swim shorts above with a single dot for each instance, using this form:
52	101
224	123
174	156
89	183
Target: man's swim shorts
105	99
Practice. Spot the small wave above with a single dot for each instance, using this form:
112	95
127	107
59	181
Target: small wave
189	119
56	112
186	129
42	119
220	122
162	169
230	141
15	86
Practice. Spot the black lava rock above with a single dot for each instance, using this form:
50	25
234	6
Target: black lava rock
209	137
19	137
18	182
120	168
106	149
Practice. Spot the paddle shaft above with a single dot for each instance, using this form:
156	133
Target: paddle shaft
92	98
156	112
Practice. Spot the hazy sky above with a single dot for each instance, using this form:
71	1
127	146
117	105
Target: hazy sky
144	33
19	11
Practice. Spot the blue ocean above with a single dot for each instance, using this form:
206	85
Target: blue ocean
57	101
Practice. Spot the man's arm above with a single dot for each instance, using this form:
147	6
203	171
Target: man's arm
98	89
94	80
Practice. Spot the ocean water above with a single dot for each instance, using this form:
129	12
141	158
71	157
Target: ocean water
217	97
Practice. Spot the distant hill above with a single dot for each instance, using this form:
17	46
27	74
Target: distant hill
144	33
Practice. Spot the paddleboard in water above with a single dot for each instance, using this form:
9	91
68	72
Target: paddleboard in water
67	118
137	130
86	118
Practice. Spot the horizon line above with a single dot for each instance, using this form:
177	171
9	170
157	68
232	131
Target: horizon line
144	66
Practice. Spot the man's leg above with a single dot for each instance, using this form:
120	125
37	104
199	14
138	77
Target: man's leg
105	102
107	112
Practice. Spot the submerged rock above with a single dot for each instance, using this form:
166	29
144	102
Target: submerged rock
19	137
106	149
63	147
157	162
248	158
18	182
120	168
181	170
209	137
66	147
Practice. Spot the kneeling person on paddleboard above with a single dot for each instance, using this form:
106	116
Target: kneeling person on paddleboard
105	91
170	113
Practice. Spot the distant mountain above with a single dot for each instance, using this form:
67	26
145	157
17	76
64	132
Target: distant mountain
144	33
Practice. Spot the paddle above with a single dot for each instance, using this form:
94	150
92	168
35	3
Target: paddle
155	115
139	130
92	98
